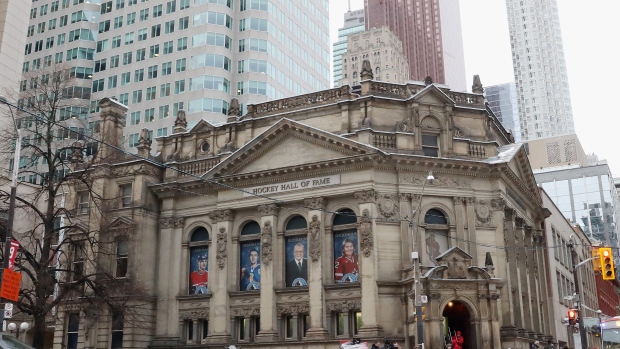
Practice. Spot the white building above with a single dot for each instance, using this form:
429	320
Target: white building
354	22
160	56
452	41
13	25
540	68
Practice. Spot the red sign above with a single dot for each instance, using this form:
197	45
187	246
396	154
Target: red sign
11	281
13	253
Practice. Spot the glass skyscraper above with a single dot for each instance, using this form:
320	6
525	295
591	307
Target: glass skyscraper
353	23
503	102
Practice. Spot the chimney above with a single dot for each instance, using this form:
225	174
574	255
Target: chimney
144	143
477	86
113	116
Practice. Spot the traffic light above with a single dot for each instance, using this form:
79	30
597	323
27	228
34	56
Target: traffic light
607	263
572	316
423	315
596	330
596	260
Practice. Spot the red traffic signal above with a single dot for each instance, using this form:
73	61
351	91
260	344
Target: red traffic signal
572	316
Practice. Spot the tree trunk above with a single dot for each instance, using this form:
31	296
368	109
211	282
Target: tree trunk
38	331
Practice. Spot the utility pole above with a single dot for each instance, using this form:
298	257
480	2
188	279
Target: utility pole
580	313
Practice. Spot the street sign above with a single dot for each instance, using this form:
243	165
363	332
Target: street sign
8	306
11	281
13	253
424	299
8	314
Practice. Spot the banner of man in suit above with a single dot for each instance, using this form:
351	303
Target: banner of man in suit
296	262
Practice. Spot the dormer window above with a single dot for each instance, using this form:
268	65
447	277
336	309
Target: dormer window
430	145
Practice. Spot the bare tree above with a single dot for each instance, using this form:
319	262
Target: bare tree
65	254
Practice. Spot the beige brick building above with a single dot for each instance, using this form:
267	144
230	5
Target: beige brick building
294	225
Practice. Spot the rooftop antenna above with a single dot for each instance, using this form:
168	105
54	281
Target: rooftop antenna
349	5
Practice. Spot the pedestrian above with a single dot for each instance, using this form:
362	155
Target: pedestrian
549	345
535	345
566	347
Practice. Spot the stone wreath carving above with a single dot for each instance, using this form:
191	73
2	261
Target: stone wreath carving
388	205
315	203
365	196
194	314
364	228
314	231
484	213
268	210
171	222
344	306
221	216
221	248
293	309
266	237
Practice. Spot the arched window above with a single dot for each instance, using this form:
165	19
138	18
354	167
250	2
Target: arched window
430	137
354	75
436	235
346	260
199	261
378	70
296	252
249	256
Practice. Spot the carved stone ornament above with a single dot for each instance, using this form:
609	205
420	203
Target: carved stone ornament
293	309
245	312
457	269
438	182
498	204
314	231
342	306
364	228
299	101
484	214
388	205
266	244
221	216
365	196
317	203
366	72
221	253
268	210
131	171
202	314
171	222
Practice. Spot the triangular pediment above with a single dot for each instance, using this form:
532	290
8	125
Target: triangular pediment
433	95
521	167
121	223
451	254
289	144
201	126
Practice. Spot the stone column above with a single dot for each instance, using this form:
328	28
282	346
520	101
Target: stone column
219	305
471	229
406	228
368	263
268	260
460	224
170	241
511	314
530	262
316	235
538	263
522	291
485	317
495	321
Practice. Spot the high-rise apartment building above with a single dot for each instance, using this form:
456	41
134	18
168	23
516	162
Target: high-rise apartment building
503	102
161	56
382	49
540	68
13	25
431	34
354	22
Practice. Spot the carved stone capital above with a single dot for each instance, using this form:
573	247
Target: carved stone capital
221	253
221	216
268	210
171	222
266	243
498	204
365	196
509	213
317	203
293	309
245	312
519	221
314	233
470	200
457	200
344	305
364	228
404	197
202	314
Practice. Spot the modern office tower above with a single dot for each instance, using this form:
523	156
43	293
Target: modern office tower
503	102
431	34
382	49
353	23
13	26
161	56
540	68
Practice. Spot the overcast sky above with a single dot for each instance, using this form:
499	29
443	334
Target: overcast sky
589	30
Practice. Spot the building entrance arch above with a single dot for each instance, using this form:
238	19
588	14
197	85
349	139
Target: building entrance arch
457	318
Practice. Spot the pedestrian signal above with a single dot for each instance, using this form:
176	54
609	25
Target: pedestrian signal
572	316
607	263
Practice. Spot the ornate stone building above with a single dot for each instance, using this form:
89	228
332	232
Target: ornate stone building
294	224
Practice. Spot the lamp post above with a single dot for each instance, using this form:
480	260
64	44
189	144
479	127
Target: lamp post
415	256
12	327
9	225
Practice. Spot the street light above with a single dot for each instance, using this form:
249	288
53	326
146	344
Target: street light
415	256
9	225
12	327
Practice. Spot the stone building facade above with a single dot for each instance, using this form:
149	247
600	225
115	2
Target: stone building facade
294	224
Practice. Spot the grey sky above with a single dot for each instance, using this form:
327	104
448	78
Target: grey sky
589	31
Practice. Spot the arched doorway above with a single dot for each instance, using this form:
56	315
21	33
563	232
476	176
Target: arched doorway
456	318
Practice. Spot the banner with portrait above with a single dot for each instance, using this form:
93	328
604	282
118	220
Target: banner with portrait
346	259
199	270
296	261
249	261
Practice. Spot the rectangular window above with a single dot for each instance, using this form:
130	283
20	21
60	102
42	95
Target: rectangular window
180	65
149	115
184	4
117	330
430	145
155	30
154	51
131	18
100	65
136	97
144	14
152	72
164	90
129	38
122	256
157	11
169	27
125	190
112	80
83	202
140	54
134	118
138	75
77	267
171	6
184	23
182	44
162	132
166	68
116	41
168	47
133	139
125	78
104	26
114	61
151	93
179	86
164	112
120	4
73	326
142	34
